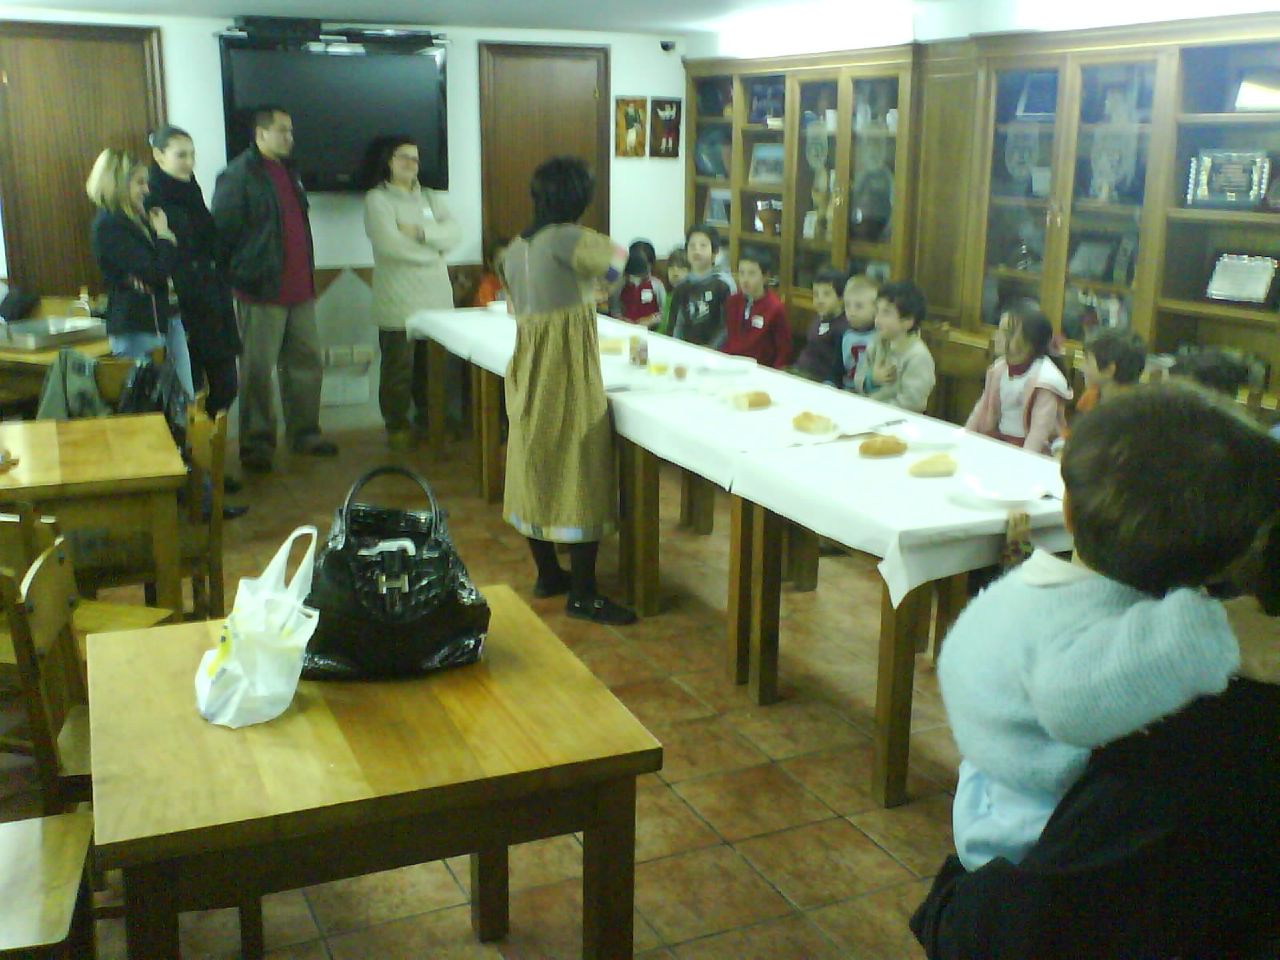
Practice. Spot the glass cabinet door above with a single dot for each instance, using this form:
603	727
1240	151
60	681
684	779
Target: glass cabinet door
1108	187
814	202
1022	179
764	165
873	151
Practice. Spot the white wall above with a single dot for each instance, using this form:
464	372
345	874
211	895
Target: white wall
804	26
646	195
941	19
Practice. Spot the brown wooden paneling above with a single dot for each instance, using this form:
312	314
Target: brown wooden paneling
66	92
537	102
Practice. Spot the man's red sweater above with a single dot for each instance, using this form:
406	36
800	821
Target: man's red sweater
757	328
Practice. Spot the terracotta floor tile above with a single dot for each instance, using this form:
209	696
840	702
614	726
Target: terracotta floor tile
661	701
313	950
934	754
618	663
664	823
697	748
793	728
715	688
378	897
822	862
215	934
440	935
917	833
842	778
533	864
791	938
682	652
874	927
704	892
746	803
546	922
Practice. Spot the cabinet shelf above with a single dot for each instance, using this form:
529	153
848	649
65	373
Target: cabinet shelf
1034	203
1213	215
761	128
1101	286
750	236
1213	310
1126	211
1261	119
1013	273
773	189
869	250
1137	127
711	181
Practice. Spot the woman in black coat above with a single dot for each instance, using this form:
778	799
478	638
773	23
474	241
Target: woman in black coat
204	298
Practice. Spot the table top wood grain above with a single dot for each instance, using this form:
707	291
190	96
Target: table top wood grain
59	458
528	717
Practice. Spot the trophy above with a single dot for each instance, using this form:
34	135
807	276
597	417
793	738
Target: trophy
1242	278
1228	178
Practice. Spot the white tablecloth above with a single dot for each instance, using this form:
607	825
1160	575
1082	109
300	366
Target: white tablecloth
923	529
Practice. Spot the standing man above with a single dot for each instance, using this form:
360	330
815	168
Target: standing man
264	244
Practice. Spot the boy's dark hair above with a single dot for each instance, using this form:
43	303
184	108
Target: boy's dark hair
1125	350
561	189
645	247
264	116
908	299
160	137
678	258
708	231
1170	486
1036	328
833	278
1215	370
758	257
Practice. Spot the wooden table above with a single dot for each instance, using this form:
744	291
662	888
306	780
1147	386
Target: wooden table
120	474
360	777
22	372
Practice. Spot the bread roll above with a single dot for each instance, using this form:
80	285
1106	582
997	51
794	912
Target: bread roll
807	422
751	400
612	345
882	446
938	465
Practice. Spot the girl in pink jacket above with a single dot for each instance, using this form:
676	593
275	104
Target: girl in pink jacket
1024	400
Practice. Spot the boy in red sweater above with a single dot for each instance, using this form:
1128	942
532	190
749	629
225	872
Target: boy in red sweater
754	318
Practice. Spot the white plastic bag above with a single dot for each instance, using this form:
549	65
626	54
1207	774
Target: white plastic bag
252	674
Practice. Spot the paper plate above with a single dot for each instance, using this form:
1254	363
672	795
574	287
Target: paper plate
998	494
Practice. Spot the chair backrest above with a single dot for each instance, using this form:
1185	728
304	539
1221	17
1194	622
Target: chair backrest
112	373
40	608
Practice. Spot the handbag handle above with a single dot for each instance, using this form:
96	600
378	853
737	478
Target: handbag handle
389	471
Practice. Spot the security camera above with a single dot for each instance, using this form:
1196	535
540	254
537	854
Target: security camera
667	45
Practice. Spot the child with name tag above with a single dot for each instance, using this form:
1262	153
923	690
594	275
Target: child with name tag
754	318
642	295
1113	361
897	368
677	271
697	305
860	294
820	359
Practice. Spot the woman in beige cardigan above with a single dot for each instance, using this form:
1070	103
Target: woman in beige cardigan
410	230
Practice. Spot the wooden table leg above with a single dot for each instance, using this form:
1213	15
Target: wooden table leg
738	645
490	896
151	912
766	603
164	547
644	546
802	558
608	874
953	594
252	934
697	503
627	532
895	673
486	390
476	417
437	394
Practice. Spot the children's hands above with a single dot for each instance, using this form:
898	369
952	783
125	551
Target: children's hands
884	372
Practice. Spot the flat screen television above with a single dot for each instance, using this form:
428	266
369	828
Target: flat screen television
343	99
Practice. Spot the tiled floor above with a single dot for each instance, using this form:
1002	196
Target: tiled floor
757	840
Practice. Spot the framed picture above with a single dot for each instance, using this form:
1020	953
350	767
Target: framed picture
719	204
664	128
767	161
628	126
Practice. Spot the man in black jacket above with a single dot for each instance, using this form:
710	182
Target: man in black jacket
264	244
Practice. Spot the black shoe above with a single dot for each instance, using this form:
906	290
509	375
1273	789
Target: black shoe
316	446
229	512
256	462
599	609
231	485
557	587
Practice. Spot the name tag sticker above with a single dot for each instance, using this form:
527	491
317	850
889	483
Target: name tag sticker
646	296
758	322
823	328
707	295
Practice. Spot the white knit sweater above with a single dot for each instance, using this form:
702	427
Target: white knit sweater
1054	660
409	274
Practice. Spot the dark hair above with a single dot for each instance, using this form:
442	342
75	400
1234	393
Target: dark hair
1125	350
161	136
756	256
907	298
375	165
1214	369
264	116
389	148
833	278
645	247
1170	486
491	250
1035	328
708	231
678	258
561	189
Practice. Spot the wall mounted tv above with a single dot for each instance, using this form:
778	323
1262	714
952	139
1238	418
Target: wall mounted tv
343	97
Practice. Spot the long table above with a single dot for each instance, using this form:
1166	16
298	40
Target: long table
927	532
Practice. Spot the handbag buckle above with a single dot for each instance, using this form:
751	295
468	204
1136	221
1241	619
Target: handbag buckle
386	584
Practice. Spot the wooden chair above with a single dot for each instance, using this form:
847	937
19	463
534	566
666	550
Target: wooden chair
45	902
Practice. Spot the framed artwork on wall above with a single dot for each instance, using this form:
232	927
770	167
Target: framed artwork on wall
628	126
664	127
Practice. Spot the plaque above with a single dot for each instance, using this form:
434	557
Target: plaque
1224	178
1242	278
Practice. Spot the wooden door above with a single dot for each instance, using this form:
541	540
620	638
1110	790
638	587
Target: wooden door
66	92
538	102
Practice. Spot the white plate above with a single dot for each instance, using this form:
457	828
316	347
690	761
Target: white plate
935	440
1001	495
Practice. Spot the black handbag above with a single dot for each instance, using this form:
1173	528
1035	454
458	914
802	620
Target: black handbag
394	598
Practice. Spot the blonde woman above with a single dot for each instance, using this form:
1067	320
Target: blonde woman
410	230
136	251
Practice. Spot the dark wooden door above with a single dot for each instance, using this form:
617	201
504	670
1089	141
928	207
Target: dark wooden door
538	102
66	92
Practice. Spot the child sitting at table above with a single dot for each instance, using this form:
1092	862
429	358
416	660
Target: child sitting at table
860	294
489	287
754	318
1025	397
1214	370
820	359
697	305
1166	489
1113	361
677	270
897	368
642	296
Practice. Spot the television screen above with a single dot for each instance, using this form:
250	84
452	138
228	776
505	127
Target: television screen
343	99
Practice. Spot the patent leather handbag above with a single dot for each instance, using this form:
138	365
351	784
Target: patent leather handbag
394	598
